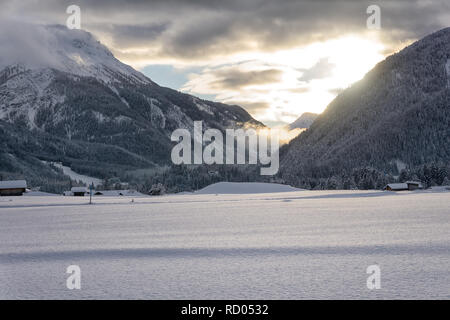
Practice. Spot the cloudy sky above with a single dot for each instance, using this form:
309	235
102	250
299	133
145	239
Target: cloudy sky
276	58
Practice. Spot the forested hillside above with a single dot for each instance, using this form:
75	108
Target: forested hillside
398	113
85	108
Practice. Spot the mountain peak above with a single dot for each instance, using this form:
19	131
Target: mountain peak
76	52
304	121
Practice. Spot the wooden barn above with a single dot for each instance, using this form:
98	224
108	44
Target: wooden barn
408	185
13	188
414	185
79	191
396	187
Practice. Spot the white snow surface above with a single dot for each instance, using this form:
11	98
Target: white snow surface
37	194
115	193
245	188
294	245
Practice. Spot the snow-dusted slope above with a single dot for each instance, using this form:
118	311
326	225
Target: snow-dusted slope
77	177
303	122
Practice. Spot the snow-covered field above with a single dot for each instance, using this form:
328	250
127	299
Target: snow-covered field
245	188
292	245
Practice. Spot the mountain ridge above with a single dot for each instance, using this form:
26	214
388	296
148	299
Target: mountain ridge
398	111
303	122
89	100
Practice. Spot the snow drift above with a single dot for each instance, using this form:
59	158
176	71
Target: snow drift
245	188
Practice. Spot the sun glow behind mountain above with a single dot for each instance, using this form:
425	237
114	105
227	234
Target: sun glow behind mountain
275	59
277	87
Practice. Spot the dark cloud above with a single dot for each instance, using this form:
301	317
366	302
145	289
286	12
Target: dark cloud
202	29
234	78
141	32
252	107
136	35
206	37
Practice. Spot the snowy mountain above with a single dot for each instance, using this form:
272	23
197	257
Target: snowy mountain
303	122
75	52
64	97
399	112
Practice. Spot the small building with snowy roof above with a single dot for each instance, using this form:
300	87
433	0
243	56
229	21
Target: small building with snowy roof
414	185
408	185
396	187
79	191
13	187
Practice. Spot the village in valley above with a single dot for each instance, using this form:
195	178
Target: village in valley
20	188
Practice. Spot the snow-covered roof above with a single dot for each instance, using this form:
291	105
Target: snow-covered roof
397	186
13	184
78	189
414	182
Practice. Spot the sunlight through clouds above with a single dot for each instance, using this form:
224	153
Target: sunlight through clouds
280	86
277	59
